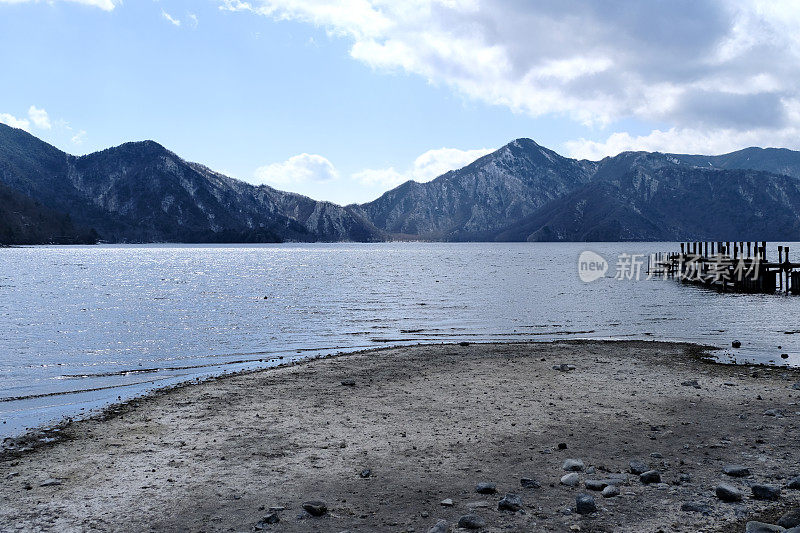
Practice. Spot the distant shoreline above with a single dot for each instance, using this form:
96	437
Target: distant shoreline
383	436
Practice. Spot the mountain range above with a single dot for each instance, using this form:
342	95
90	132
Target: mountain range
142	192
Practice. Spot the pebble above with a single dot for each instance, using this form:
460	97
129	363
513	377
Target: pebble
638	467
794	484
790	519
315	507
796	386
365	473
485	488
573	465
584	504
691	383
773	412
610	491
761	527
736	344
440	527
766	492
651	476
52	482
349	382
471	521
447	502
271	518
736	470
696	507
571	480
728	493
511	502
528	483
563	367
595	484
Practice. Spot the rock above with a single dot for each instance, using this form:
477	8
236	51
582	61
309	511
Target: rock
736	344
528	483
511	502
773	412
591	470
610	491
651	476
485	488
790	519
728	493
761	527
365	473
696	507
796	386
736	470
784	356
684	478
794	484
463	343
584	504
691	383
766	492
563	367
315	507
638	467
447	502
595	484
52	482
571	480
471	521
271	518
440	527
573	465
563	445
349	382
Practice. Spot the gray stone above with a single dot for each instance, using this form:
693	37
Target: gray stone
511	502
595	484
584	504
796	386
736	344
528	483
696	507
563	367
440	527
691	383
573	465
349	382
766	492
685	478
774	412
471	521
485	488
52	482
271	518
651	476
571	480
761	527
365	473
794	484
638	467
315	507
728	493
790	519
447	502
736	470
610	491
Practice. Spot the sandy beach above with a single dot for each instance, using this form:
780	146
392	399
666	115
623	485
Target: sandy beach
398	440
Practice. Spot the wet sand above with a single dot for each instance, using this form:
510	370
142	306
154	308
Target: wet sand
429	422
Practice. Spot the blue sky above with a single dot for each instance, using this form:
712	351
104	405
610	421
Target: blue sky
342	100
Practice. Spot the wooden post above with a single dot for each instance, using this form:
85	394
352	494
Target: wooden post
764	250
727	248
748	249
787	269
780	272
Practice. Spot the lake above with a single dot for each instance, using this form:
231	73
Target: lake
81	327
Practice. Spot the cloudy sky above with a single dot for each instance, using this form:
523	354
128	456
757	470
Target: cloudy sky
343	99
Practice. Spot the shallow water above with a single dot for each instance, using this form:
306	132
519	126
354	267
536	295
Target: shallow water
84	326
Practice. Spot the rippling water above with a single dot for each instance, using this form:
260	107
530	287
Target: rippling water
84	326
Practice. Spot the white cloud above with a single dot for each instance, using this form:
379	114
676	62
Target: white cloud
683	141
299	169
426	167
105	5
694	65
78	138
169	18
14	122
39	117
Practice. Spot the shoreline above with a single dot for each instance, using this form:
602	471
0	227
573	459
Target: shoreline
452	402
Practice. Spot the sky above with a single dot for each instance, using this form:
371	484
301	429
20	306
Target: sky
342	100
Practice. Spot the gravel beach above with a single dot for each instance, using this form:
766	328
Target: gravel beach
564	436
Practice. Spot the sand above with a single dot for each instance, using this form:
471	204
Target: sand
430	422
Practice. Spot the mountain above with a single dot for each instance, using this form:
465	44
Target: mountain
656	197
774	160
476	201
142	192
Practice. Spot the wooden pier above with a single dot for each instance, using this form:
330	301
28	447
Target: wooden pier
729	266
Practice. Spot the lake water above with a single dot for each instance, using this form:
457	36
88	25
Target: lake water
84	326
